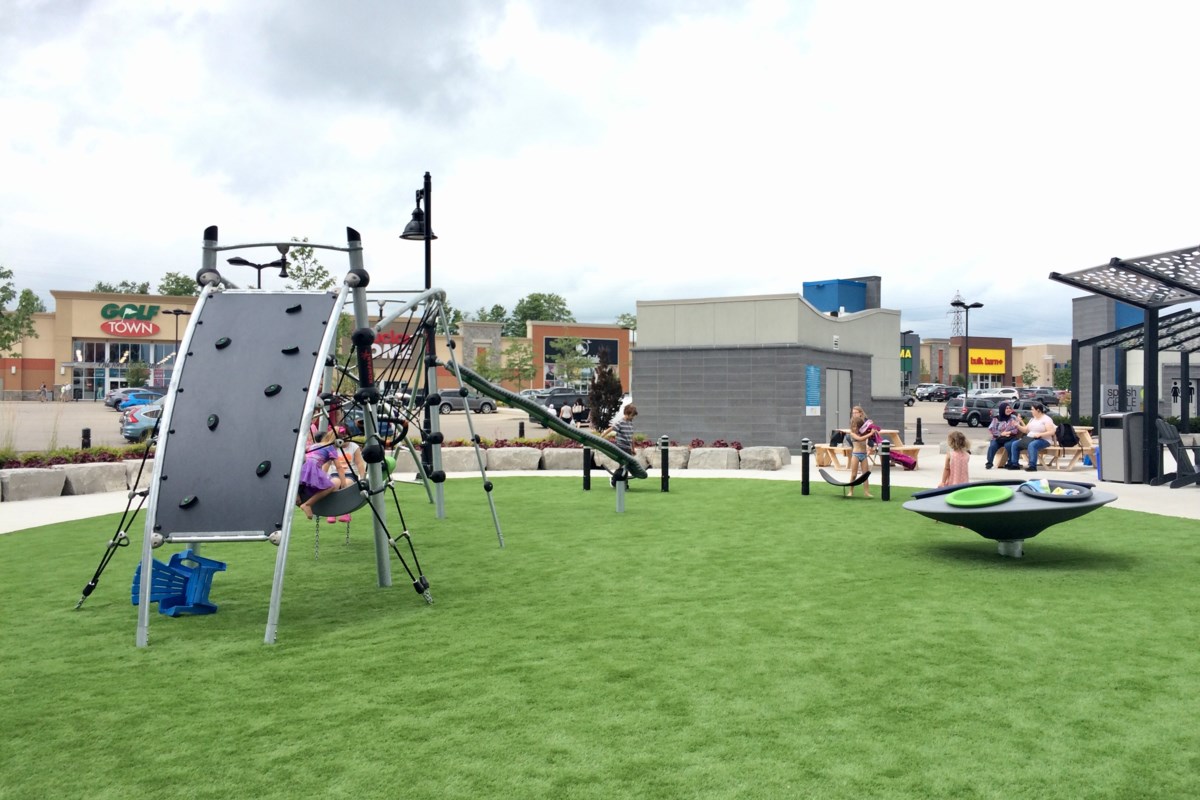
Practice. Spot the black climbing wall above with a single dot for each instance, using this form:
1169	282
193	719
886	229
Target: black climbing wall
240	404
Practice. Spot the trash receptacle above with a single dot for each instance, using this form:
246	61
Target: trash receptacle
1121	436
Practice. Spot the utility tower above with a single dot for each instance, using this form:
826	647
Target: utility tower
956	316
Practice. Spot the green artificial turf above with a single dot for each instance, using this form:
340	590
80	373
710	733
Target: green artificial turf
731	638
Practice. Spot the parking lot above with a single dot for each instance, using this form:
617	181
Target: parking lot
28	426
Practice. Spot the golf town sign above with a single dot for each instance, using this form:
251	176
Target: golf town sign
129	320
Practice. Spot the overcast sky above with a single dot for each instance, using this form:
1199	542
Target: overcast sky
609	151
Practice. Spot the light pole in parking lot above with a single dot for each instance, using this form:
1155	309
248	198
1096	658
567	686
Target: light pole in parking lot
966	307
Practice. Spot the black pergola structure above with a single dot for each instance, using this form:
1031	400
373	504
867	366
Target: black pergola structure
1150	283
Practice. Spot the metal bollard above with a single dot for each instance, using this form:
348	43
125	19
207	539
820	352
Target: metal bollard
664	452
87	439
918	439
587	469
521	429
885	463
806	449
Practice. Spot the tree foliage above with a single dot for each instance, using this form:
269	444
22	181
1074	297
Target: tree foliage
487	364
305	272
569	362
176	284
627	320
539	306
518	363
137	374
30	302
1029	374
1062	377
497	313
604	394
453	316
15	324
124	287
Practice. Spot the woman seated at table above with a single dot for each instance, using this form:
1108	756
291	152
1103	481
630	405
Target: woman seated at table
1037	435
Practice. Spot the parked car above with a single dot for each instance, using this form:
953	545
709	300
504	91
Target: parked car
139	398
453	401
923	389
909	399
117	396
942	393
562	394
138	424
1047	394
974	411
351	420
1007	392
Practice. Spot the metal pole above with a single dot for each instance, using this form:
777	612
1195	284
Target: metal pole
806	447
918	440
885	463
664	444
431	426
587	469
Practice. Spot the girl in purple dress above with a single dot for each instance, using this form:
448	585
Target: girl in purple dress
315	482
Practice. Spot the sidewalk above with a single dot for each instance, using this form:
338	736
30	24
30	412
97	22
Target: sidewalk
1130	496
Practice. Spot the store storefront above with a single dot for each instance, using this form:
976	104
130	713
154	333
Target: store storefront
87	346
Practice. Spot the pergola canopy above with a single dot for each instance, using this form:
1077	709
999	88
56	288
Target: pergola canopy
1148	282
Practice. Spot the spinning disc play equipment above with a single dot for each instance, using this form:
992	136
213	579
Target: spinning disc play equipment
1009	511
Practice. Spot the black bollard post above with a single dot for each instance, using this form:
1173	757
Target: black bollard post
521	429
587	469
885	462
664	452
918	439
806	447
86	444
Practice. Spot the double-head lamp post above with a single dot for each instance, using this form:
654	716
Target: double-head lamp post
967	337
280	262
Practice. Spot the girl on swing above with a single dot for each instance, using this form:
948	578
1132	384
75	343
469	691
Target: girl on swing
315	482
347	466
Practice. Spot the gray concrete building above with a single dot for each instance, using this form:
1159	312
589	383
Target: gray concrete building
762	370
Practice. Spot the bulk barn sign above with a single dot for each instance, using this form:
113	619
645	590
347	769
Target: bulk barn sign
129	320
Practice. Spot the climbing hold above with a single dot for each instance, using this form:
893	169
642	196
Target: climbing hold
189	501
223	342
293	309
273	390
213	422
263	469
290	351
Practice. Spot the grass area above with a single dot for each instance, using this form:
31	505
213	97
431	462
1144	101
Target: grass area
728	639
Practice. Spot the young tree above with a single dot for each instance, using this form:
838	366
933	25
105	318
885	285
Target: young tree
15	324
627	320
604	394
124	287
1062	377
304	270
137	374
538	306
1029	375
176	284
569	362
488	366
518	363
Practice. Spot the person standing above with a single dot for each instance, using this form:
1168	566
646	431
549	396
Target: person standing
958	454
43	394
565	415
861	433
1037	435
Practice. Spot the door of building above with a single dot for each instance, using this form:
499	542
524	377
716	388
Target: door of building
837	398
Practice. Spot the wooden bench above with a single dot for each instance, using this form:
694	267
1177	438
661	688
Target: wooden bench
1055	456
839	455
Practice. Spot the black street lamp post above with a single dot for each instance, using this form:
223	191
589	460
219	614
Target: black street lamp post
177	313
966	307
